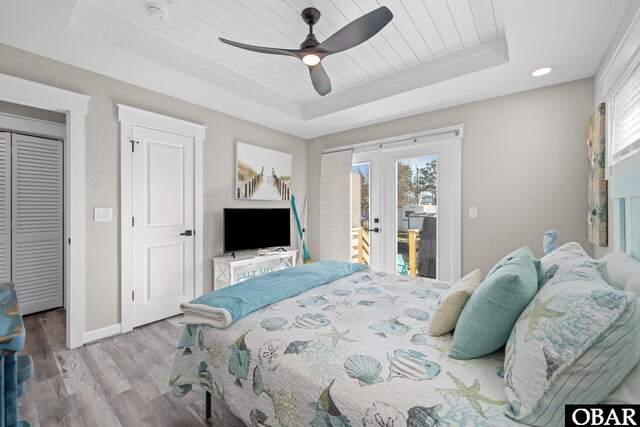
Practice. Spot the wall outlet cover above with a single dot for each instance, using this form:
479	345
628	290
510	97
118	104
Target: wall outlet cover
102	214
473	212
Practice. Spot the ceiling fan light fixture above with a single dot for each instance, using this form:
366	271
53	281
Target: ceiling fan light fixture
312	52
311	59
542	71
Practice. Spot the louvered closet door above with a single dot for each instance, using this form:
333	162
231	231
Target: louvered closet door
37	222
5	207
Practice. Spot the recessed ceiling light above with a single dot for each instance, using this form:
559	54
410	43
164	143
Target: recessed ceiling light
157	12
542	71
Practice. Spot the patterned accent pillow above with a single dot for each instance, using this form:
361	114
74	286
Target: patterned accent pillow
574	343
568	257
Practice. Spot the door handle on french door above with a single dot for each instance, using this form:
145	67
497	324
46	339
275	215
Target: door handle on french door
187	233
375	230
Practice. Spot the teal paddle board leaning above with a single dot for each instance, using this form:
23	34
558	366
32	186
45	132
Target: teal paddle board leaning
305	254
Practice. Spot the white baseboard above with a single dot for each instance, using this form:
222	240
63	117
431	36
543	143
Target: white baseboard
98	334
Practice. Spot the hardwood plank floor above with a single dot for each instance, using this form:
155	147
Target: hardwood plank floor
118	381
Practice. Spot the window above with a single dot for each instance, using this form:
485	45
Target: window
625	139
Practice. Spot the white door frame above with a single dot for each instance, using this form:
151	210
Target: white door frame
449	135
75	107
129	117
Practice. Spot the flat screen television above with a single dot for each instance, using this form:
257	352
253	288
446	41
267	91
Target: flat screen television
256	228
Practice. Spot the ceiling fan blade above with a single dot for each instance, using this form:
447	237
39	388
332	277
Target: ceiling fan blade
356	32
262	49
320	79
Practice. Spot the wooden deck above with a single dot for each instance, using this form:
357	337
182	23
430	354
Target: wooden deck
119	381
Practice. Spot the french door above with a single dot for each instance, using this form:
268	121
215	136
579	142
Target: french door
406	201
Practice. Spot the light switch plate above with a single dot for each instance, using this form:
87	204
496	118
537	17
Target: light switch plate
102	214
473	212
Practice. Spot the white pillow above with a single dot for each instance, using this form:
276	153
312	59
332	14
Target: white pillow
446	316
623	272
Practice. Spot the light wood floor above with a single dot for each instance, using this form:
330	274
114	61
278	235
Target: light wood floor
119	381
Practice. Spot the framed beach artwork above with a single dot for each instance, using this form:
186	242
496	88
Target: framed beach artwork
262	173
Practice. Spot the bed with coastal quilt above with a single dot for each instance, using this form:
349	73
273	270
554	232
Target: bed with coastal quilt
354	351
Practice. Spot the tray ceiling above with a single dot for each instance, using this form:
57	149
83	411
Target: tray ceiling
434	54
420	32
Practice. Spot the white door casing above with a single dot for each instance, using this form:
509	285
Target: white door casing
131	118
75	107
37	222
163	211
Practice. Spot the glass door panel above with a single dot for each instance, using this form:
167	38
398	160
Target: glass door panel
360	213
421	209
417	216
366	244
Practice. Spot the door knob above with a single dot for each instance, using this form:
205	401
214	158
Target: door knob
187	233
375	230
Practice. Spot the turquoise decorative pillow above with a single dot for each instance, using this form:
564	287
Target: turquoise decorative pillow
489	315
574	343
569	257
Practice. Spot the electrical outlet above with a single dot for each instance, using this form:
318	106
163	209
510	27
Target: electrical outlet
473	212
102	214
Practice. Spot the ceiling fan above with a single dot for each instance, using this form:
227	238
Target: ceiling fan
312	52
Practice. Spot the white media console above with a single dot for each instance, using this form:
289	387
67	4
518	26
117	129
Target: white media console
228	270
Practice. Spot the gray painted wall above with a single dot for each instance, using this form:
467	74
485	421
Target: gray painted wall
102	166
524	165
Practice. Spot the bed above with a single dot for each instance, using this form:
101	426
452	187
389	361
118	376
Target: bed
352	352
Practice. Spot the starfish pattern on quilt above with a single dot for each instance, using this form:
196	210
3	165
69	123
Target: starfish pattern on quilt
540	310
472	394
337	336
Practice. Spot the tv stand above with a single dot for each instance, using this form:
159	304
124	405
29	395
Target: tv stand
232	269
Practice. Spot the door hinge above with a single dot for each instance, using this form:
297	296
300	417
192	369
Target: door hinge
133	295
69	241
133	221
133	145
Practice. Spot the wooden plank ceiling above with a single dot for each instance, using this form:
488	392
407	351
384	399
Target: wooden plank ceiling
421	31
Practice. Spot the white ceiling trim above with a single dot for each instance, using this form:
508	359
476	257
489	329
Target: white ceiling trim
462	62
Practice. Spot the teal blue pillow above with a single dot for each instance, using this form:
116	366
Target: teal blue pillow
493	309
522	251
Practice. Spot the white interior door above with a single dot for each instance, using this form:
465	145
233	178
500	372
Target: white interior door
5	207
366	219
163	224
37	218
422	183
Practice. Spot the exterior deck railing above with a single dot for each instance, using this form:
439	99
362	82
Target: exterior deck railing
360	245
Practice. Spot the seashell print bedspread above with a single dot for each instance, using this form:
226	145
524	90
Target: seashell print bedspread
354	352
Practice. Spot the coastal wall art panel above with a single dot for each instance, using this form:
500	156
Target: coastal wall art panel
598	195
262	173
